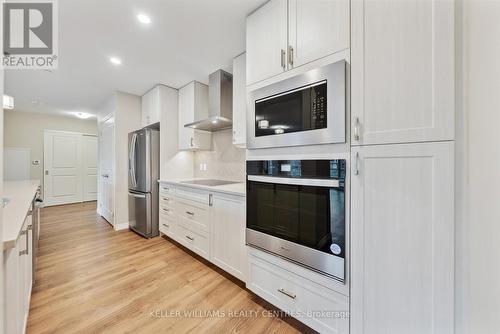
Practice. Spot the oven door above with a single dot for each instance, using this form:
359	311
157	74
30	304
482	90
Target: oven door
307	109
302	220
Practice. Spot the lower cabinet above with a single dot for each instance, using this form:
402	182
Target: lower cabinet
402	238
18	281
227	236
305	295
209	224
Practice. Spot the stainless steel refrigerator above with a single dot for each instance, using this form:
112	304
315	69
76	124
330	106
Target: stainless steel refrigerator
143	175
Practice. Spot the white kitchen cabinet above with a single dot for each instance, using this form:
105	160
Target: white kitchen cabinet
308	296
402	238
151	106
402	73
18	280
227	236
266	41
317	28
239	101
282	35
193	106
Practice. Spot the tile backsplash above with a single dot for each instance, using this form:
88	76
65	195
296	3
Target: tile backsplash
225	161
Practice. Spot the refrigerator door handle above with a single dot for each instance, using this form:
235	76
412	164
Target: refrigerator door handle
136	195
132	159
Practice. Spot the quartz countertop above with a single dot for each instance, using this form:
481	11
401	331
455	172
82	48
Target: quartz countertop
20	195
237	189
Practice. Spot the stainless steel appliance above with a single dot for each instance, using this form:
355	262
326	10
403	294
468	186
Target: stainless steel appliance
306	109
143	174
296	209
220	103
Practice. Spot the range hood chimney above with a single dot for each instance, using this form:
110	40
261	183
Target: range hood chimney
220	103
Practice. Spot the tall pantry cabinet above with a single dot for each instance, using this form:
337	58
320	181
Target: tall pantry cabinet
402	196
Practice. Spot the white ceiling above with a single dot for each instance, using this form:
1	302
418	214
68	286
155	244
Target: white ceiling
187	40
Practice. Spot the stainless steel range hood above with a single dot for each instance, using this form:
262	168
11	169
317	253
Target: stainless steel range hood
220	103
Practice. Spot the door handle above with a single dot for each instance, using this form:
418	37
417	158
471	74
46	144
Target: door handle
136	195
290	55
356	164
283	53
356	129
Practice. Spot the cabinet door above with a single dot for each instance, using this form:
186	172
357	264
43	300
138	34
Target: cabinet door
227	237
150	112
402	71
193	105
239	100
402	239
146	105
317	28
266	41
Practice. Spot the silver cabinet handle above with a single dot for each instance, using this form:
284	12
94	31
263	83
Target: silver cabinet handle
356	164
190	238
46	172
166	225
190	213
290	55
286	293
192	143
166	199
26	251
166	210
283	53
356	129
105	175
210	200
165	188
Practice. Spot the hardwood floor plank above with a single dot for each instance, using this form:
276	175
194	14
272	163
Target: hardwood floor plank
92	279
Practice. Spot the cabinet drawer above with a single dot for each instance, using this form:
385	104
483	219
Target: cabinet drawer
166	199
197	215
167	226
315	305
196	242
166	189
167	210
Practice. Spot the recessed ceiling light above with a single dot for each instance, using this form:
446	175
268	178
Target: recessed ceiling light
115	60
144	19
82	115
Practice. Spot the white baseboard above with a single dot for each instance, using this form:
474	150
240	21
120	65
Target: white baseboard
121	226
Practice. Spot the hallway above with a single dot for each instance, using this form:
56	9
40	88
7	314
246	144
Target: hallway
92	279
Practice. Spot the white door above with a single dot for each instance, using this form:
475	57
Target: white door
89	147
63	175
266	41
402	57
402	239
105	202
317	28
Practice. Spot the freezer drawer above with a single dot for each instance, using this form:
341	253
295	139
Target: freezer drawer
142	218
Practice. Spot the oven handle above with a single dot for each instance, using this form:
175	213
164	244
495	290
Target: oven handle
299	182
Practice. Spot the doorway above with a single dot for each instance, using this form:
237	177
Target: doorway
70	167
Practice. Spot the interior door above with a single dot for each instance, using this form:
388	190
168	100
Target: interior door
89	167
106	166
63	175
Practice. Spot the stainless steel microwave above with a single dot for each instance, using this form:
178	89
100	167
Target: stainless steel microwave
306	109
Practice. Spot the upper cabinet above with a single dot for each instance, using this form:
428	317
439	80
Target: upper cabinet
402	71
239	100
282	35
266	41
193	105
151	107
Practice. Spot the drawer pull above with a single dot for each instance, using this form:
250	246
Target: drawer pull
190	213
166	225
286	293
190	238
166	210
165	199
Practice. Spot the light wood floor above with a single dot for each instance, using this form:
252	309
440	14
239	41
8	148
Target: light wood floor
91	279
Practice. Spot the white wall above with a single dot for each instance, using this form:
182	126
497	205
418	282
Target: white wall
127	119
478	168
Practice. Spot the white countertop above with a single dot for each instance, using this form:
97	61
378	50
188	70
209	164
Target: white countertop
20	195
237	189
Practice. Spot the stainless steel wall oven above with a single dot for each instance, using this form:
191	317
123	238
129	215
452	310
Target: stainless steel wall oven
296	209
